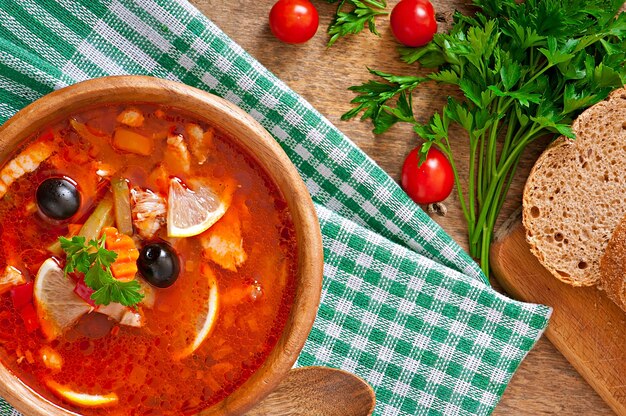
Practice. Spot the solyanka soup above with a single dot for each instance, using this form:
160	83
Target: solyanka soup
147	266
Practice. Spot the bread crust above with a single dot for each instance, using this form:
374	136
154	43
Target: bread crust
568	203
613	266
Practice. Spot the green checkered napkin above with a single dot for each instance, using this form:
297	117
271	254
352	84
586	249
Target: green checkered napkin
403	306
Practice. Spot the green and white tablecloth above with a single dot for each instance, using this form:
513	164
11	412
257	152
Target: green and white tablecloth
403	306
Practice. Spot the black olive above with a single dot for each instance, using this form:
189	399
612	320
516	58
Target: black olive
158	264
58	198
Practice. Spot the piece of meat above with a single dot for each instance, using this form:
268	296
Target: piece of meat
132	117
149	211
200	141
121	314
9	278
27	161
51	358
223	242
132	318
177	157
149	294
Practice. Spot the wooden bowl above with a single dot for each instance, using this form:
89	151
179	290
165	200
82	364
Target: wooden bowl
256	141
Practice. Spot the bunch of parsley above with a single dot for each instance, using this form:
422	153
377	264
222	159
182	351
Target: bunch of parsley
94	260
525	70
353	15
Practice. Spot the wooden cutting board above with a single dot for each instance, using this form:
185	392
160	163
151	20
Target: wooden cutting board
586	327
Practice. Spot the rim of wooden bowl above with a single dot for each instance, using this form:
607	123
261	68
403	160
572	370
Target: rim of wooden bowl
257	142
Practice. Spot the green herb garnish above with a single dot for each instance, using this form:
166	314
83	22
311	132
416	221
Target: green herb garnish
360	13
524	69
94	261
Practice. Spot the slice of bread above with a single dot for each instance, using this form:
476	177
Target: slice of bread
575	195
613	266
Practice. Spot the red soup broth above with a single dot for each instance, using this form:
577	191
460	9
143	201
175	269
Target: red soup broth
144	366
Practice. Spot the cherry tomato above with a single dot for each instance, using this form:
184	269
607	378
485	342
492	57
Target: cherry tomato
413	22
294	21
432	181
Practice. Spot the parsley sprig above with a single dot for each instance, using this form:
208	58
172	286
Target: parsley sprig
94	261
353	15
524	70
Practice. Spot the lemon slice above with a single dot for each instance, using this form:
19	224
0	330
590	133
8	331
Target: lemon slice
82	399
206	319
58	307
191	212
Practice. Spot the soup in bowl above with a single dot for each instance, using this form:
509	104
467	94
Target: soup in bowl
160	254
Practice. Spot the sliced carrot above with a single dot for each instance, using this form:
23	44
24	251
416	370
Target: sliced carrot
132	142
116	242
123	270
125	266
127	256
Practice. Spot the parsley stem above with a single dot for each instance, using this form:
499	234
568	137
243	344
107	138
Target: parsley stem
505	191
537	75
510	160
491	144
480	172
494	209
491	152
511	124
472	168
484	233
484	256
448	152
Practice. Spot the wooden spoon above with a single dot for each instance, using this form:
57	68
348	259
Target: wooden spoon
319	391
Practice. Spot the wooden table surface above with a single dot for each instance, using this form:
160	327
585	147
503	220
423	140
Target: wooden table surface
546	383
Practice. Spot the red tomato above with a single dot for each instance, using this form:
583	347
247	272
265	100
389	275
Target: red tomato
22	295
29	316
23	301
413	22
294	21
432	181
